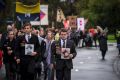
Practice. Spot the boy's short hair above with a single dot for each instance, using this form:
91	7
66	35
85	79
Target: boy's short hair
50	30
63	30
27	24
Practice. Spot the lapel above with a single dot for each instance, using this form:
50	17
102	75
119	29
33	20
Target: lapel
29	39
24	39
67	43
60	42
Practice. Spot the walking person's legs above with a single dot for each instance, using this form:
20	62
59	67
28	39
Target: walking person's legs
103	55
119	52
67	74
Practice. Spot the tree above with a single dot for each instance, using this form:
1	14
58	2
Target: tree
100	12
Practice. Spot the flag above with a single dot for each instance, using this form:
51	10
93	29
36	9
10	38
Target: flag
86	20
60	15
80	24
106	30
44	14
66	24
99	28
27	12
72	21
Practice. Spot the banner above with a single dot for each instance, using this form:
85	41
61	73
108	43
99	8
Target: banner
72	21
35	23
60	15
66	24
27	12
44	15
80	23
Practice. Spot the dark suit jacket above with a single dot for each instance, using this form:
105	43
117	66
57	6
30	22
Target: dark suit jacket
61	63
8	58
27	61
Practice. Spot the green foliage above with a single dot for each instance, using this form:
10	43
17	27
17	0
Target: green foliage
111	38
99	12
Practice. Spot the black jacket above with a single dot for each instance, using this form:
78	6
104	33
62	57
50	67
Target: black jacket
61	63
27	61
6	57
103	43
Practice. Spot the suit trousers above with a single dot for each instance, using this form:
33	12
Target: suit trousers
25	74
10	71
103	54
50	74
119	51
63	74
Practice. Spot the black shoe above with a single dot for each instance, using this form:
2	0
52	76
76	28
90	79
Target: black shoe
103	58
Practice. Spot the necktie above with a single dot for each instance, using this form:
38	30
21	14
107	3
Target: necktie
28	38
63	43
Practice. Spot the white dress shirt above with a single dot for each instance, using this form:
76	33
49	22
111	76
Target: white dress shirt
27	37
62	42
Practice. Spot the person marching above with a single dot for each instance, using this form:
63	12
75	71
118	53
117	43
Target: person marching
103	44
64	53
27	59
49	55
9	57
118	42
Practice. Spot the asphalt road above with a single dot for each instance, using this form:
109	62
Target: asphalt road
89	66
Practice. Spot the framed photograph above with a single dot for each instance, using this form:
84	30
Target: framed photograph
65	52
29	48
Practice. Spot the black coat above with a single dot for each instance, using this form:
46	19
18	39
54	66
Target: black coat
6	57
27	62
103	43
118	42
61	63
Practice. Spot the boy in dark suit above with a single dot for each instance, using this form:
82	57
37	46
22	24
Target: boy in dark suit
64	63
27	62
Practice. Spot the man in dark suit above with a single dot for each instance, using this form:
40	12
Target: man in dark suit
64	63
27	61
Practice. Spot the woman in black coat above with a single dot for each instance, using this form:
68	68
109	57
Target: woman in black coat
103	44
9	56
